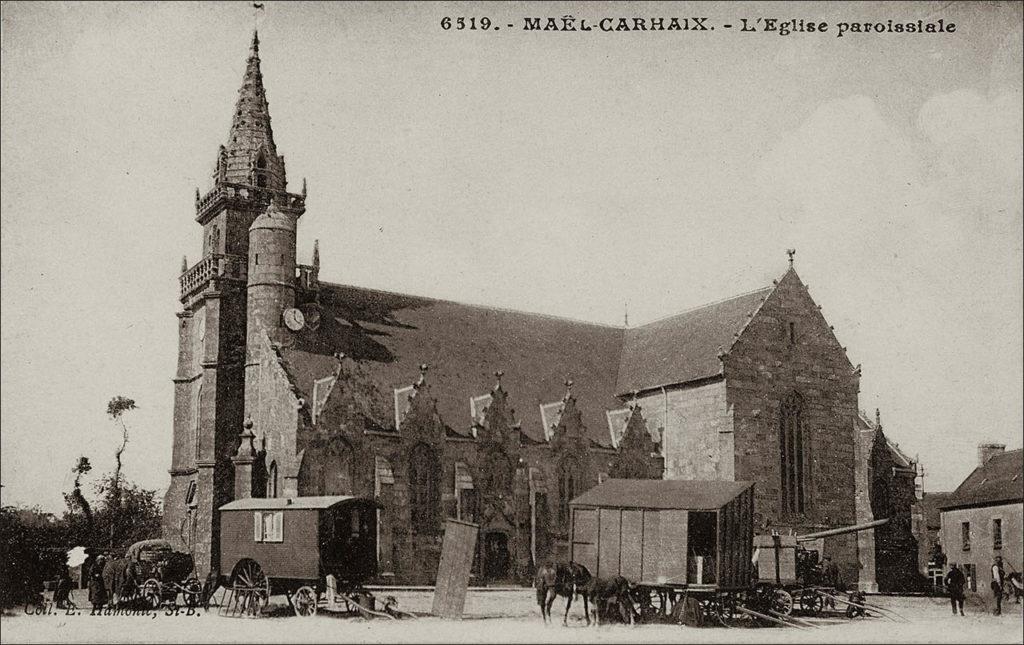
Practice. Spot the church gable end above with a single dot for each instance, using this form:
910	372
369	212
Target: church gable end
793	395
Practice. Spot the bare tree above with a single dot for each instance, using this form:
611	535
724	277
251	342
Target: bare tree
116	409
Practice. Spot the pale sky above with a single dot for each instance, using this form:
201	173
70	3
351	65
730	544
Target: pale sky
563	173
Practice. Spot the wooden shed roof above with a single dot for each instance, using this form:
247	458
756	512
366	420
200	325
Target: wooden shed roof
290	503
691	495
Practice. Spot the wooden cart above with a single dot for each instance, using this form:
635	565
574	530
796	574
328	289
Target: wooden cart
302	547
675	541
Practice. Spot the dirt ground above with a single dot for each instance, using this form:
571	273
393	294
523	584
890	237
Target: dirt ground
510	616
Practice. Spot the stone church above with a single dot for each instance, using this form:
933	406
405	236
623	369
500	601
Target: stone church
287	385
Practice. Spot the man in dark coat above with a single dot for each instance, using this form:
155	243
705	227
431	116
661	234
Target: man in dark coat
832	578
97	586
997	583
955	582
62	595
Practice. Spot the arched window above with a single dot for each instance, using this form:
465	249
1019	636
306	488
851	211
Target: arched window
272	480
498	474
425	488
569	486
327	469
792	455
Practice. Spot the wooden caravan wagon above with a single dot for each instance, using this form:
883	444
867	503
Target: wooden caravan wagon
292	546
671	539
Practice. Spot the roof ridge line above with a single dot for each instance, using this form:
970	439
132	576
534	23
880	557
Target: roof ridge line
480	306
704	306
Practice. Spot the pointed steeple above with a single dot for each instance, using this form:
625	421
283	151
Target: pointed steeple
250	153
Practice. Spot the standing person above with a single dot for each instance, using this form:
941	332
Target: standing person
955	582
997	584
62	595
830	576
97	587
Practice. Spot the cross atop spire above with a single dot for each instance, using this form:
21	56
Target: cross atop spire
250	155
791	253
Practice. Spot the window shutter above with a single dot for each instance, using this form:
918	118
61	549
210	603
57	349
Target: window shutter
258	526
463	478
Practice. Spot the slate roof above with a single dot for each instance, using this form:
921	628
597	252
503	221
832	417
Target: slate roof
684	347
691	495
998	481
391	334
289	503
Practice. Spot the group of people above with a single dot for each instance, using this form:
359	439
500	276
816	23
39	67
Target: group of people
956	583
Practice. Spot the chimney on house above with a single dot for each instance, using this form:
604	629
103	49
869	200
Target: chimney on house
988	450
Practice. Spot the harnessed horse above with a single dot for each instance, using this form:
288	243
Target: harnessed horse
562	579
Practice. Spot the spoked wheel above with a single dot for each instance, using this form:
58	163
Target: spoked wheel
304	602
727	606
151	593
251	586
812	602
192	593
782	602
649	604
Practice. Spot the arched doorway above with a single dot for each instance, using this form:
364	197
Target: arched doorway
497	557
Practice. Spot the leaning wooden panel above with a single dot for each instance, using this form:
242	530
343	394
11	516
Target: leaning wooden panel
453	569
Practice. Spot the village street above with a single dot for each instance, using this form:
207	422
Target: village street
512	616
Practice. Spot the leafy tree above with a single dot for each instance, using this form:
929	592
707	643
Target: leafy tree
76	501
127	513
31	551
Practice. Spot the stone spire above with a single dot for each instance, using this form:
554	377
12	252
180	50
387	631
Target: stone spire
250	156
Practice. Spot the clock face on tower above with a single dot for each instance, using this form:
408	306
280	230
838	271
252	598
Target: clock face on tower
293	319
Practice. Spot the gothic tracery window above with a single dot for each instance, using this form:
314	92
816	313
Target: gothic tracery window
499	474
792	455
272	480
327	469
569	486
425	488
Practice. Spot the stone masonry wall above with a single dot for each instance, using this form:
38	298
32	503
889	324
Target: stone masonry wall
697	435
762	369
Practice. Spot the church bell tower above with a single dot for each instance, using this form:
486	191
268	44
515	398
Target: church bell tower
249	184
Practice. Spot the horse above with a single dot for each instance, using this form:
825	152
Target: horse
1016	585
562	579
610	598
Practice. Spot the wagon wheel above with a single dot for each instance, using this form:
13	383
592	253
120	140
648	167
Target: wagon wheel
727	606
782	602
649	604
151	593
690	611
304	601
812	602
192	592
251	586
